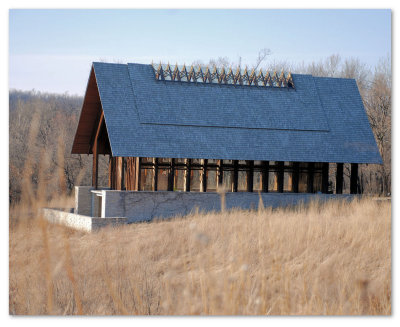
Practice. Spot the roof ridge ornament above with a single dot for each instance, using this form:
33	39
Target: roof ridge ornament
216	75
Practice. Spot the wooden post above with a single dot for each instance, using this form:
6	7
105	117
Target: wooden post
171	176
134	174
250	176
205	175
110	172
130	173
95	164
220	174
339	178
310	182
353	178
325	177
155	174
113	173
138	174
120	173
296	174
123	173
265	176
235	175
280	176
189	161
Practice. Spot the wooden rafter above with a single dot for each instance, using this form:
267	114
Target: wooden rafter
95	136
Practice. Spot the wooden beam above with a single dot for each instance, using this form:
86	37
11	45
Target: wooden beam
95	151
353	178
339	178
250	176
296	174
280	176
97	128
325	177
310	179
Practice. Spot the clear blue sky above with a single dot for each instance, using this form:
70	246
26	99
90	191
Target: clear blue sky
51	50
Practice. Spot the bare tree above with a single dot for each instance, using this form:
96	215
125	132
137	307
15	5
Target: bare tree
354	68
224	62
277	66
333	65
378	105
330	67
57	117
262	55
220	62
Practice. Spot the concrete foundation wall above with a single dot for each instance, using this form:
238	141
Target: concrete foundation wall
80	222
121	207
83	200
145	206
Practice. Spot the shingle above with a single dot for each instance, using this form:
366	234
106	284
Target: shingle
321	120
198	104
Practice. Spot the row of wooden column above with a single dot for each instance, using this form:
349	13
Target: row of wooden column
132	167
280	177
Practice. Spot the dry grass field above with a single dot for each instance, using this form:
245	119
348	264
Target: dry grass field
321	259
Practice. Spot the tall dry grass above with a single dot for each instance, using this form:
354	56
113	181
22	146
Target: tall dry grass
321	259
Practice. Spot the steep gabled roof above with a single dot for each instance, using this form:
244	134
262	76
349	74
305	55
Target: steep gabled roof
321	120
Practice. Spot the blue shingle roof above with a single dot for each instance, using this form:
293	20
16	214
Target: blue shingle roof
321	120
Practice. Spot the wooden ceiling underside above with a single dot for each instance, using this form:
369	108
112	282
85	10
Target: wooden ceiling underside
88	122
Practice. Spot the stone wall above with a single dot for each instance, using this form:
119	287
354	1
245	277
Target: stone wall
145	206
